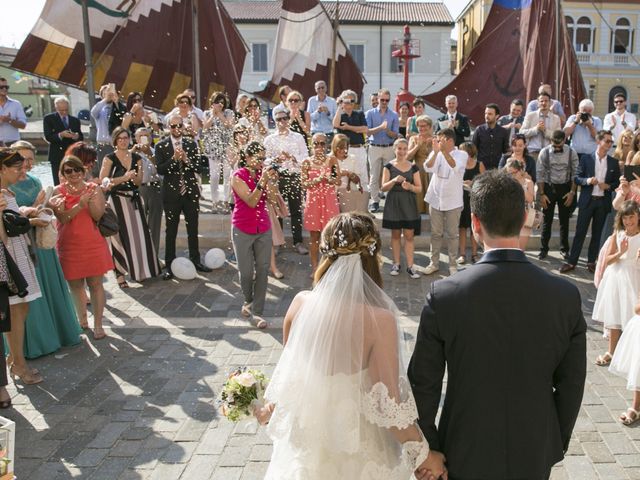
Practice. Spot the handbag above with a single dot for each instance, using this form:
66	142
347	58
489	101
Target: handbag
108	223
534	217
46	237
15	224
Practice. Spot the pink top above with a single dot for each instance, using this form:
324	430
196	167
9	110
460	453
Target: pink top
249	220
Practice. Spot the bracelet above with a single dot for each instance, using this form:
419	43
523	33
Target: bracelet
259	187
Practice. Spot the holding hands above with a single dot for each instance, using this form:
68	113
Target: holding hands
433	467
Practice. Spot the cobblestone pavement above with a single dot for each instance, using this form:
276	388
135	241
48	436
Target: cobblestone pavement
140	404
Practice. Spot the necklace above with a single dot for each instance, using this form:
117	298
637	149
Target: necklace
317	162
75	190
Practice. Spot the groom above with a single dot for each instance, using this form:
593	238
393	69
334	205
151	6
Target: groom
512	338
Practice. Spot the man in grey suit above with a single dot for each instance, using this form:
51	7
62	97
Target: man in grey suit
512	338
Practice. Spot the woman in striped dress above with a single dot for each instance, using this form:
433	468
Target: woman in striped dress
132	249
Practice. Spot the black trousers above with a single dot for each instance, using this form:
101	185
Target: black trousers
173	206
291	190
595	213
555	192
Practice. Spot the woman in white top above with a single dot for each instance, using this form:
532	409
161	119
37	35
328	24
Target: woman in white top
353	192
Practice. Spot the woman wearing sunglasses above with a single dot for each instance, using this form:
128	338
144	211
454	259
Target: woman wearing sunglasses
51	322
300	118
83	251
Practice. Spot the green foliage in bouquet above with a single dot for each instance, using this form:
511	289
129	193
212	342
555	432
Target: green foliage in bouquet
241	389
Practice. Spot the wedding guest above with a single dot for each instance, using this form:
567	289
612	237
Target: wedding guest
12	166
151	186
618	290
322	109
491	140
252	230
132	248
513	121
352	123
418	110
12	117
519	152
177	160
539	125
241	103
184	108
620	119
557	166
51	322
626	363
319	176
136	116
300	120
253	121
453	119
353	192
403	118
288	149
84	253
283	93
633	157
447	165
420	146
401	179
88	155
61	129
216	135
471	171
101	112
515	169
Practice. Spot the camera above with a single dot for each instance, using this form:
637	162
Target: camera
584	117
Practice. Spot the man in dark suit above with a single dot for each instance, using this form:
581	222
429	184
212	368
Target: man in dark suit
516	361
454	119
60	130
598	175
177	159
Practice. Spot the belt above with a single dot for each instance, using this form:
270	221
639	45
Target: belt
382	145
356	146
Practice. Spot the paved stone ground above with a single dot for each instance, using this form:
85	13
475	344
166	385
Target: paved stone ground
140	404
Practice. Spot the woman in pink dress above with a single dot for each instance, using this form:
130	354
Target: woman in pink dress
320	177
83	251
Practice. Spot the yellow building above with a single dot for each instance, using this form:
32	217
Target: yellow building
605	36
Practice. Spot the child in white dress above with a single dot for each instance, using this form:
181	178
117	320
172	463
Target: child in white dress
626	363
618	290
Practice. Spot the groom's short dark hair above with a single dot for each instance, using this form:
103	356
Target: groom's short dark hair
497	199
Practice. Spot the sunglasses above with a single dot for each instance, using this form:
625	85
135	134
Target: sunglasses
383	100
123	138
184	102
319	144
4	87
69	171
176	125
294	100
321	88
282	119
615	101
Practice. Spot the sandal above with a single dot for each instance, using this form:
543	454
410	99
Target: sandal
629	417
604	360
123	283
99	333
258	322
277	274
474	258
84	325
246	309
27	377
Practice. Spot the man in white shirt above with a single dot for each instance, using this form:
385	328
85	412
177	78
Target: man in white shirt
283	93
539	125
619	120
554	105
288	149
12	116
322	109
446	165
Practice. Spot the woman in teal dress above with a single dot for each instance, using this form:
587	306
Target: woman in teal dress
52	322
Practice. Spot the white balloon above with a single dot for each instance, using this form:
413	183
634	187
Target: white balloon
183	268
215	258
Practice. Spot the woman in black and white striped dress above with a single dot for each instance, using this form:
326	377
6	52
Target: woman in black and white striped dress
132	248
11	167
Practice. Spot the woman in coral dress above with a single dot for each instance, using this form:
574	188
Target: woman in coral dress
320	177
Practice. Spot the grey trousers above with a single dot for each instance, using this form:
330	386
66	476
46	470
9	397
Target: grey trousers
444	222
152	199
253	253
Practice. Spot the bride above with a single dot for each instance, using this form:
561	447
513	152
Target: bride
339	403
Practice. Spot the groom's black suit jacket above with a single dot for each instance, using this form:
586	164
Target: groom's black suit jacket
513	339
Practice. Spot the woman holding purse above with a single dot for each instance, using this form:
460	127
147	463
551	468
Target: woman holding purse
51	322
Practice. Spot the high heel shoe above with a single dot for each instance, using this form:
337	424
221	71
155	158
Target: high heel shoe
277	274
27	377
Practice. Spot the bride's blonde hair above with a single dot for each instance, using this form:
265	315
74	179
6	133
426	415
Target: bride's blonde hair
350	233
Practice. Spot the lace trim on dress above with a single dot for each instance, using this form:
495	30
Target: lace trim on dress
382	410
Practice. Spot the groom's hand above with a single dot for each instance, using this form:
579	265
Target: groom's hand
433	467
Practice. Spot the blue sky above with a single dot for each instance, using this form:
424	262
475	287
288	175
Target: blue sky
20	16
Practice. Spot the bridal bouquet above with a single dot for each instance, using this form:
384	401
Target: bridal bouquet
242	390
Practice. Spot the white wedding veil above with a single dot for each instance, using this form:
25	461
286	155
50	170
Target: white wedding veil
340	387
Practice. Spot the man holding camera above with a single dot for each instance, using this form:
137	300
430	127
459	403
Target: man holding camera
286	150
582	128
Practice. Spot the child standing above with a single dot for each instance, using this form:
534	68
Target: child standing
618	290
401	179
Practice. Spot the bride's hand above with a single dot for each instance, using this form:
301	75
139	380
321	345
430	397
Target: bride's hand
263	413
433	467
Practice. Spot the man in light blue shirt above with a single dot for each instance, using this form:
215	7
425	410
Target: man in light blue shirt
12	116
582	127
383	127
100	113
322	109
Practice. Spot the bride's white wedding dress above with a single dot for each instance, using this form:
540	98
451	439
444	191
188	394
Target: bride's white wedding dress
344	407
